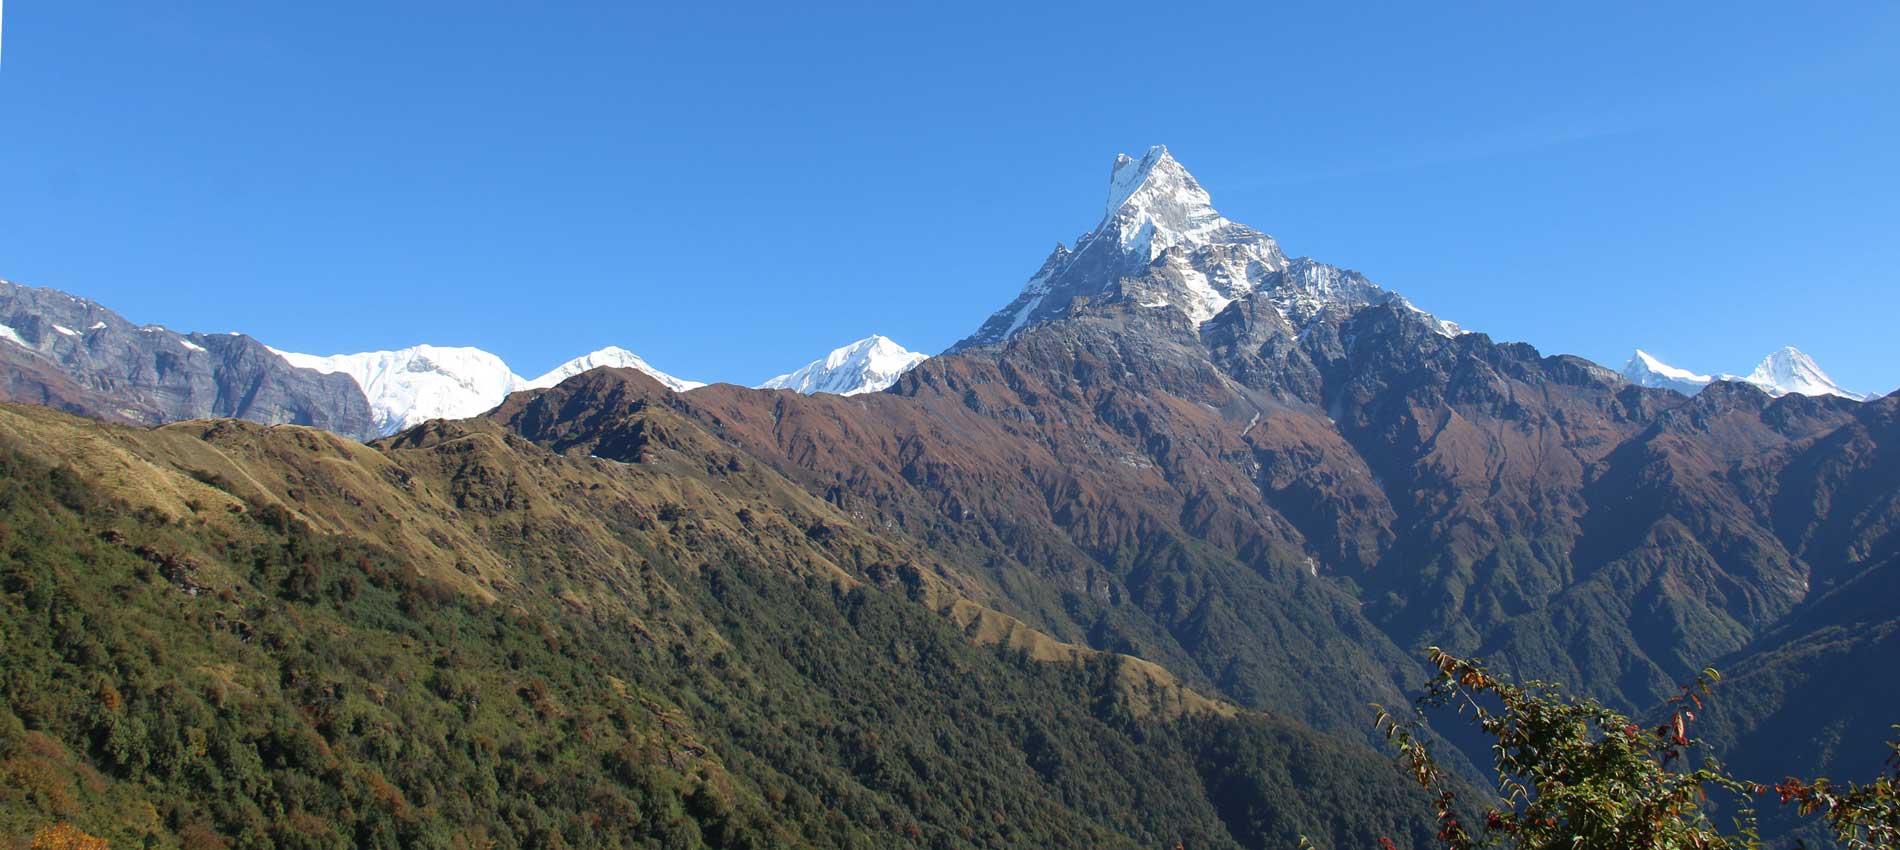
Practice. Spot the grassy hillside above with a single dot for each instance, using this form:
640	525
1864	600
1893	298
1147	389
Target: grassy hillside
228	636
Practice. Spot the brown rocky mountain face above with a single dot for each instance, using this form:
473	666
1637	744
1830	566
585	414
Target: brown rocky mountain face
75	355
1074	529
1260	509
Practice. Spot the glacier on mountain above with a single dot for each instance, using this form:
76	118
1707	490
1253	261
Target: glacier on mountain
410	386
868	365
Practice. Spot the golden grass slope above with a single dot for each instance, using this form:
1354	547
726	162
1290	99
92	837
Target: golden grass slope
472	504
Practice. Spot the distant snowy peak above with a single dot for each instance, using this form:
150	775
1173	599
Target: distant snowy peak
1783	372
1645	370
610	357
1161	243
868	365
414	385
1790	371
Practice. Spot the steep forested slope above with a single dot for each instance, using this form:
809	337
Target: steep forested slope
190	660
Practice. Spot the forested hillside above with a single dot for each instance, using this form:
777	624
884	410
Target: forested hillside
225	675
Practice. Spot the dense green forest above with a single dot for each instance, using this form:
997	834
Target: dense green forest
173	682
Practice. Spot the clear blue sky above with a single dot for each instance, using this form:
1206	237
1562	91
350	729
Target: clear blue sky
732	189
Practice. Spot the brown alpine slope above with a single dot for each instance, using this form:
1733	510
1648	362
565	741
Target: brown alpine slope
1259	509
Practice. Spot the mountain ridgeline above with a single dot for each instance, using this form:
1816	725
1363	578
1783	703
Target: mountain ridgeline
1121	569
75	355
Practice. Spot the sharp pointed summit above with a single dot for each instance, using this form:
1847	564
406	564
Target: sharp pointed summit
1154	203
1790	371
1129	174
1162	244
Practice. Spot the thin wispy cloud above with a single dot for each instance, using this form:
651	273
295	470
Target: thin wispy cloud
1503	142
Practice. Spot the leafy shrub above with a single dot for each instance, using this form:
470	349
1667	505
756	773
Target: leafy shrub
1573	774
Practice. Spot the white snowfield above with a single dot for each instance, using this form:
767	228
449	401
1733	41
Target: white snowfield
868	365
1781	373
413	385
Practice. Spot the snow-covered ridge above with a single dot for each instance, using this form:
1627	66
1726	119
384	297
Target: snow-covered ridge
1645	370
410	386
868	365
1786	371
1649	364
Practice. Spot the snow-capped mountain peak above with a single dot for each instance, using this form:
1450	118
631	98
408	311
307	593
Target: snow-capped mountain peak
1785	371
612	356
410	386
1647	371
868	365
1130	174
1161	243
413	385
1155	204
1790	371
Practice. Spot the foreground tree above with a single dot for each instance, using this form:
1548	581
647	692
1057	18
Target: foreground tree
1573	774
